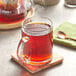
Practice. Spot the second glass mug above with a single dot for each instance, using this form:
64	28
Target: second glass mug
35	46
70	3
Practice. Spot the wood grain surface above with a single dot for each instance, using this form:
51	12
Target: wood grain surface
57	59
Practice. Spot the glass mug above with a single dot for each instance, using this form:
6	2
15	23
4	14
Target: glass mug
35	46
12	11
70	3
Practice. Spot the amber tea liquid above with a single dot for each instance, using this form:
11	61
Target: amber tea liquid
12	14
39	47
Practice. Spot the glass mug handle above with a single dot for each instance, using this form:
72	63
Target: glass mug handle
21	44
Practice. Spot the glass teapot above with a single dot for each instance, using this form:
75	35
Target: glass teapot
13	10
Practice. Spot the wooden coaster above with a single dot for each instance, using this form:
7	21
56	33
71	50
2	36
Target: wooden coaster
57	59
4	26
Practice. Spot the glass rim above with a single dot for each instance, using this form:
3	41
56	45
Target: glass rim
50	25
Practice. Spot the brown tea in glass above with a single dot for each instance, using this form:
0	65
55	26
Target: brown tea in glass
12	11
36	43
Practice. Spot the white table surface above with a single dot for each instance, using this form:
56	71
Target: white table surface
9	40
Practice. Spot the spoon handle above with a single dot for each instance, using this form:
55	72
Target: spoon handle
71	38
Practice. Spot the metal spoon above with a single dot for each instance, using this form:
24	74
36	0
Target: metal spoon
62	35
